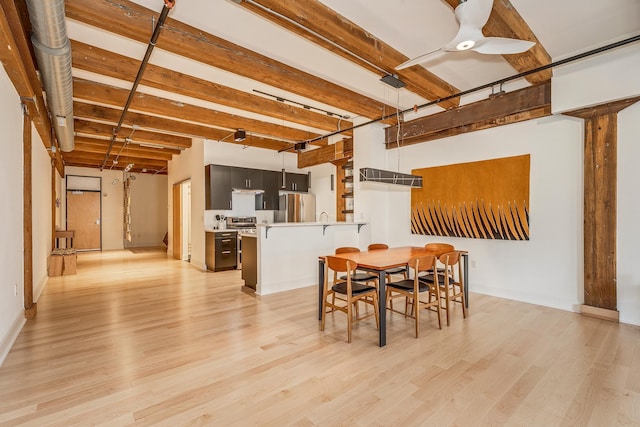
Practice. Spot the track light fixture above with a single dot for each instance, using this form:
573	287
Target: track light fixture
239	135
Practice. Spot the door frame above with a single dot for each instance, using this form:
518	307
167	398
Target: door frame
66	206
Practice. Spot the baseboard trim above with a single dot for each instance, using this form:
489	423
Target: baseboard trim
12	334
600	313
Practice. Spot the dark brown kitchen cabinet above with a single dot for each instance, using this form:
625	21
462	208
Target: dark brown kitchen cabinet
246	179
217	187
270	181
295	182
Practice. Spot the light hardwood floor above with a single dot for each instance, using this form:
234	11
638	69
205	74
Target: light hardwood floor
143	339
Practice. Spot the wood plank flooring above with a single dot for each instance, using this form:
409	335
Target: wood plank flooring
142	339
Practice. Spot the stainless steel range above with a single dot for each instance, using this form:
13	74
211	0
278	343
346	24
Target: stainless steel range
243	225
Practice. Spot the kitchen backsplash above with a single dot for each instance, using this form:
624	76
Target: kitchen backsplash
243	205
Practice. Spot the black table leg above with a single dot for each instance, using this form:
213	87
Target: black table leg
320	286
382	308
465	272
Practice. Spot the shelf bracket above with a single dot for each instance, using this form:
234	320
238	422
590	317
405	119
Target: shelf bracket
266	231
324	227
359	227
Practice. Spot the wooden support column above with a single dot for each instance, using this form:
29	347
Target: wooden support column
30	308
600	207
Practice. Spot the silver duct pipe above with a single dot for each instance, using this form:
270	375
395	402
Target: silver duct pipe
53	54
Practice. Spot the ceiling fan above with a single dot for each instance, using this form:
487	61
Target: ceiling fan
472	15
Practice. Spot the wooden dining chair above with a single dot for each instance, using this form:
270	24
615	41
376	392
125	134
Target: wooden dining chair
421	294
358	276
351	292
439	249
389	272
451	283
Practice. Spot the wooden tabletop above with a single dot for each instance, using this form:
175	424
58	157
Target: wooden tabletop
384	259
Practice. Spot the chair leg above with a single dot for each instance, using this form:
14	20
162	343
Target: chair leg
416	311
438	309
349	320
446	302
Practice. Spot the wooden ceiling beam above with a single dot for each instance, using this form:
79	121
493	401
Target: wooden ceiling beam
17	61
520	105
133	21
505	21
102	129
90	145
163	153
123	161
105	94
341	150
107	63
327	29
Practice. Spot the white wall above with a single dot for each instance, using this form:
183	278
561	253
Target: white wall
148	210
628	274
189	165
546	269
11	224
41	211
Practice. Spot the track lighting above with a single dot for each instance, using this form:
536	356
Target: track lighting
240	135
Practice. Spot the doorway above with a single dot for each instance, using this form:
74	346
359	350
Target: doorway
83	217
84	211
182	220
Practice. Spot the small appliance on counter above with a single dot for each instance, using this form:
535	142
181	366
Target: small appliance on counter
296	207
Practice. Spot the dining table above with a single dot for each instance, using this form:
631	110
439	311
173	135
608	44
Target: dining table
378	261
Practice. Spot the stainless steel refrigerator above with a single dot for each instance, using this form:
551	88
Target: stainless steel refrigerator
296	207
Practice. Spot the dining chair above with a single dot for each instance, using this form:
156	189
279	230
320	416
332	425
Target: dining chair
422	294
389	272
450	282
352	292
358	276
439	249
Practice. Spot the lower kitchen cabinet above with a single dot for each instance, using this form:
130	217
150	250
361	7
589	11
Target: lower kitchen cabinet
221	251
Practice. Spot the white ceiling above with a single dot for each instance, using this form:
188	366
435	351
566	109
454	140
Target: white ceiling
565	27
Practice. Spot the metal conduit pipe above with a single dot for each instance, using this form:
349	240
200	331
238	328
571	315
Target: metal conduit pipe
53	55
168	5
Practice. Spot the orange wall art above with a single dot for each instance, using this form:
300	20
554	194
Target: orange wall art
484	200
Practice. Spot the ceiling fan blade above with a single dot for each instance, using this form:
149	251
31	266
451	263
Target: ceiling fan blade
417	60
474	13
502	46
466	34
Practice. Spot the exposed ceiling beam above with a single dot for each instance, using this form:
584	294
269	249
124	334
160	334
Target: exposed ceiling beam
177	127
131	20
505	21
339	151
92	145
523	104
97	158
327	28
104	62
102	129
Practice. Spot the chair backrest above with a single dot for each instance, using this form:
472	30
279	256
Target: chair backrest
439	248
422	263
340	265
450	260
346	250
375	246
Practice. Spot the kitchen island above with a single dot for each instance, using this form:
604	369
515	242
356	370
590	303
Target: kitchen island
287	253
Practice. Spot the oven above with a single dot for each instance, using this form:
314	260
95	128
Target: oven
243	225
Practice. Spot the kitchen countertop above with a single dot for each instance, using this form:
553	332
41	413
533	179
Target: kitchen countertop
217	230
309	224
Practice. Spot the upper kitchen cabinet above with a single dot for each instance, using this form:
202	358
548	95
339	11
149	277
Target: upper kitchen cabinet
295	182
271	186
246	179
217	187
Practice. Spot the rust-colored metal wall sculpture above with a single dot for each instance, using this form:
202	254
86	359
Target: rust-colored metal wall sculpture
485	200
